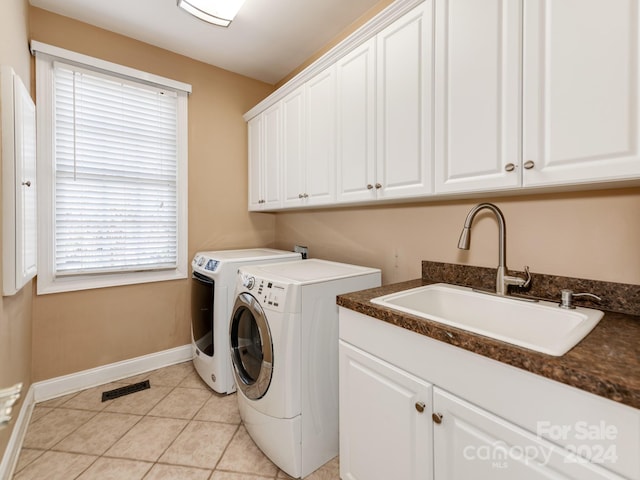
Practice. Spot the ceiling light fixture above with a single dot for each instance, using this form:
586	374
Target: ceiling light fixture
218	12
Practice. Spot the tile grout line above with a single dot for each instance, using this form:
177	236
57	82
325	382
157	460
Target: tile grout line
155	462
188	421
96	413
75	429
123	458
224	450
97	457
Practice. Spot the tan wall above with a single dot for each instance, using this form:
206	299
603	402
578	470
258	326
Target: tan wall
365	17
15	311
80	330
592	235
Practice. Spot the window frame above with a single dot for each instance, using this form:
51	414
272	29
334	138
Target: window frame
47	281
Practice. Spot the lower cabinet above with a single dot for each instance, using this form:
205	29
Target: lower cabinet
472	443
385	420
410	408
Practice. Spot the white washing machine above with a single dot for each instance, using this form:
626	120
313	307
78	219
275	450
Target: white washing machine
212	293
284	349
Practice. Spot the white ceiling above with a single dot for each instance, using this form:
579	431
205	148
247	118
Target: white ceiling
266	41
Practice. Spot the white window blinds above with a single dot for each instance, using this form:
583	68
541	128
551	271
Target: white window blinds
115	188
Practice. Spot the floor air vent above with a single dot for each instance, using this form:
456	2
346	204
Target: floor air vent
119	392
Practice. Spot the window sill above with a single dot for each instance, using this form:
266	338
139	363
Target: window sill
88	282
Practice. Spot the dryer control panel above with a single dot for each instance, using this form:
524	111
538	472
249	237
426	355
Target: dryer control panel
272	295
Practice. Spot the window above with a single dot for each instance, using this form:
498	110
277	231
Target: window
112	167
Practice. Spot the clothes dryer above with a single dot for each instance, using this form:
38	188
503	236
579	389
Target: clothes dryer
284	348
212	292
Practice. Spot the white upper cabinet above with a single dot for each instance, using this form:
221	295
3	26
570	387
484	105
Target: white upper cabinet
254	132
478	78
320	146
404	111
271	166
309	142
18	117
293	128
581	91
265	159
447	97
355	152
385	114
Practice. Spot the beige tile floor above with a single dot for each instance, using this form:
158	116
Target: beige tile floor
178	429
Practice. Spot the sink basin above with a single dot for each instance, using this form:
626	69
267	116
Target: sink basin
540	326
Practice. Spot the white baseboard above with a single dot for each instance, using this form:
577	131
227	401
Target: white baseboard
74	382
11	453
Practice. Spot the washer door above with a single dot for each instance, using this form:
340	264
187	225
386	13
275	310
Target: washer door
251	347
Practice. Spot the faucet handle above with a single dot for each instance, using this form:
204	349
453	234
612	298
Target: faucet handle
567	296
527	282
517	281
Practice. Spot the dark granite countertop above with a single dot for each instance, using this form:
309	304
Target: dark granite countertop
606	362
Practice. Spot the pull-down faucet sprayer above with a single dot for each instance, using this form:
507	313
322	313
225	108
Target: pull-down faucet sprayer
503	280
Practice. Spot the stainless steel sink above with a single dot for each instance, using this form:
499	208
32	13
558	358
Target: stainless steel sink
540	326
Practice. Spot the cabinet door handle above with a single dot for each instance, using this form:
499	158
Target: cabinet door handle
369	186
27	183
529	164
437	418
378	185
509	167
305	195
300	195
420	407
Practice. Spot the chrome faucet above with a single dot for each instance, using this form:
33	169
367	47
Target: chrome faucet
503	280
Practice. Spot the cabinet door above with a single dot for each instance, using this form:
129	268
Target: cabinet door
581	91
320	146
382	433
404	108
478	97
271	159
18	144
254	129
472	443
25	186
355	154
293	147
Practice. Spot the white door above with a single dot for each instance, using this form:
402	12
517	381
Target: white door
254	127
18	188
404	108
581	91
293	147
385	420
25	178
320	146
478	97
472	443
272	157
355	153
